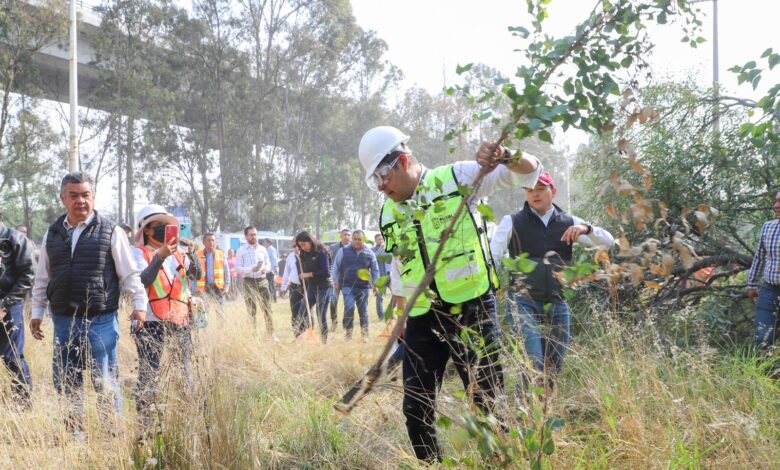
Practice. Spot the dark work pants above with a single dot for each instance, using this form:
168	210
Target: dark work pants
298	315
318	297
256	292
333	298
150	342
12	351
431	340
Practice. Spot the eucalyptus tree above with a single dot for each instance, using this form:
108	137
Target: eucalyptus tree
25	29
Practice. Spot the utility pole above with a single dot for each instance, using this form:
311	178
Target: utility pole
715	67
715	77
73	152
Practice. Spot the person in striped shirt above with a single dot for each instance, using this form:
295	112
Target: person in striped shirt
766	267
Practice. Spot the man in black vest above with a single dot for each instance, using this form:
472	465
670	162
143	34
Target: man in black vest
85	261
546	233
16	276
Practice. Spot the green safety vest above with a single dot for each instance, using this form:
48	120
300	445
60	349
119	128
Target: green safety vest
464	271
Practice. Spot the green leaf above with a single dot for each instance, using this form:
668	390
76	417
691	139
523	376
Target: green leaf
486	212
385	258
545	136
464	190
363	275
549	447
554	423
463	69
443	422
519	31
526	265
773	60
382	281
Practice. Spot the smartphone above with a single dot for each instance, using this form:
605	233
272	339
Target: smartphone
133	326
171	234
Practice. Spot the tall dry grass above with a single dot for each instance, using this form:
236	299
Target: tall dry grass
627	401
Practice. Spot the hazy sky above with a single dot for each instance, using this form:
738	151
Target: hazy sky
428	38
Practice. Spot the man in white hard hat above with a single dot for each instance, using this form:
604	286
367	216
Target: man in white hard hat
85	262
420	204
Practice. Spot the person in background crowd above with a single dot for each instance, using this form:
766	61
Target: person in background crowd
16	278
540	229
384	270
292	283
274	257
215	281
333	295
315	277
354	270
464	279
164	272
34	249
128	231
253	264
85	261
764	282
235	279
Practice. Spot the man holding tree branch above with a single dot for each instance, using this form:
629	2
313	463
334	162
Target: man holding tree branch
420	204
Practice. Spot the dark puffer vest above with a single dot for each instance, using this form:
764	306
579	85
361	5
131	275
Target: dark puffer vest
84	283
529	235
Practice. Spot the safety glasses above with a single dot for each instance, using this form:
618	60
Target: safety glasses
379	176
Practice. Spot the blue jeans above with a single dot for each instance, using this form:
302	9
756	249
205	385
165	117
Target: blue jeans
353	296
766	316
74	339
12	351
380	309
545	334
318	296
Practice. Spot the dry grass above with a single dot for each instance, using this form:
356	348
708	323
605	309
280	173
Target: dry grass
265	404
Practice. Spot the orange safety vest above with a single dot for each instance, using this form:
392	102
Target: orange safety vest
169	294
219	269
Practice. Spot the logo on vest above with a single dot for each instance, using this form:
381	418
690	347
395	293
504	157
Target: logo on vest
470	269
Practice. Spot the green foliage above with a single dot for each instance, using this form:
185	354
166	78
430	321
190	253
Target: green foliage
519	264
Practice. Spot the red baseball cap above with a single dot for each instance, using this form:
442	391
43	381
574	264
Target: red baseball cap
546	179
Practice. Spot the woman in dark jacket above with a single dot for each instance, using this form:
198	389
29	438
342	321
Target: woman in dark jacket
315	276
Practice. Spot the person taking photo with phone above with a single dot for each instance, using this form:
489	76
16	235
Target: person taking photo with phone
164	272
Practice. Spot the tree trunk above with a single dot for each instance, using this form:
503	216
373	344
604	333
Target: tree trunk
204	217
129	152
26	206
120	213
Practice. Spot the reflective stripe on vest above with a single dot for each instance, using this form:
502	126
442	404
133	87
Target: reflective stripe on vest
463	272
219	270
169	294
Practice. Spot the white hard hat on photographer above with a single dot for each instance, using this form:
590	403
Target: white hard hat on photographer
376	144
149	214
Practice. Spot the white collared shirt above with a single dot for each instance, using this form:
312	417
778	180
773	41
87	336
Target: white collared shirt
290	272
499	243
248	257
126	270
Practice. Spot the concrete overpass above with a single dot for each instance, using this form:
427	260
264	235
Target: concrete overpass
52	61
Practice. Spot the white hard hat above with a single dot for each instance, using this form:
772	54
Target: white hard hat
377	143
149	214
